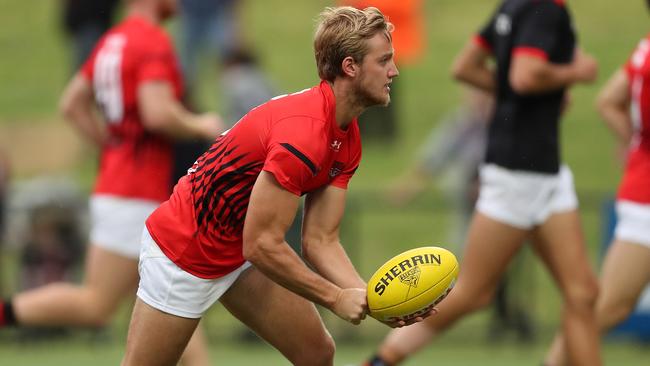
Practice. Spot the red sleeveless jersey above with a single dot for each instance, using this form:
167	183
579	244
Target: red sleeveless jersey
134	163
294	137
635	185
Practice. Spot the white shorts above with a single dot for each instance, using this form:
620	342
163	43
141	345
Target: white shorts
168	288
117	223
524	199
633	222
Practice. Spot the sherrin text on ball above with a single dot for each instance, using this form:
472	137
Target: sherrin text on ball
411	283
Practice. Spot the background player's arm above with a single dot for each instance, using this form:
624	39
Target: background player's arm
77	105
321	245
471	67
613	104
270	212
161	112
531	74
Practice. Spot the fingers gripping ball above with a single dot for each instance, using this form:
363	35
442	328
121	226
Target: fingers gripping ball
411	283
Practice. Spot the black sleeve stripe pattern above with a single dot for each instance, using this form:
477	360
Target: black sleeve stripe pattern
301	156
222	193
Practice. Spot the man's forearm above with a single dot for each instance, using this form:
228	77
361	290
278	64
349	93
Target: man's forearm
88	124
333	263
282	265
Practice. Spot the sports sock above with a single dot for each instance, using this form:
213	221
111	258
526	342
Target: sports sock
7	316
376	361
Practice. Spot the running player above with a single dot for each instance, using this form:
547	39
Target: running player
221	234
624	104
133	77
525	189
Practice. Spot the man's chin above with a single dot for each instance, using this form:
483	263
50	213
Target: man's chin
382	101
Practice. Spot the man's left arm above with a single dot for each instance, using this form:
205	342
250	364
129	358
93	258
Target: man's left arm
321	245
77	105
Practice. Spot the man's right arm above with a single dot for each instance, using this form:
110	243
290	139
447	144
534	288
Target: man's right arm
471	67
162	113
270	213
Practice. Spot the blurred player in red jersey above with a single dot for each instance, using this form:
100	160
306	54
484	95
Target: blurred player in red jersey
132	77
624	104
221	234
526	191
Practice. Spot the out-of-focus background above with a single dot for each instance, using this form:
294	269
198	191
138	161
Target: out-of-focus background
52	172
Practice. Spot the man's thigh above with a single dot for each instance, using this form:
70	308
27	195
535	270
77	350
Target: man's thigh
286	320
156	338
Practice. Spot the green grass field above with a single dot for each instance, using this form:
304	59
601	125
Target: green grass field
454	349
33	70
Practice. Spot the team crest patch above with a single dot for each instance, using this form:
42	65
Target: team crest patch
335	145
411	277
336	169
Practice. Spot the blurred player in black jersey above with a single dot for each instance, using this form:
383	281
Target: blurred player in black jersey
623	103
526	192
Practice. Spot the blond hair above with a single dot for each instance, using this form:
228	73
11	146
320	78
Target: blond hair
344	31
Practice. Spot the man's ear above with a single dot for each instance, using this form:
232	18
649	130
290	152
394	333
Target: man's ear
349	67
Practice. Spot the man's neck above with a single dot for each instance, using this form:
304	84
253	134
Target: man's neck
347	105
144	10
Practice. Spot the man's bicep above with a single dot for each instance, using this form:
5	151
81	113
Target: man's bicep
271	208
324	211
152	95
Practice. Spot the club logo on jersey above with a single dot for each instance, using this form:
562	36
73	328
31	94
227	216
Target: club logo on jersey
503	24
336	169
336	145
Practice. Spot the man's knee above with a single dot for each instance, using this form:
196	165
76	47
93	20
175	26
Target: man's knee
318	352
582	293
609	313
97	311
482	300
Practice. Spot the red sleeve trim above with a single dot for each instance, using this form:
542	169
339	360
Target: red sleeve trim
559	2
530	51
482	42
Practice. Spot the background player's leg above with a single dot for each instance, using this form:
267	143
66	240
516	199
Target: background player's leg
561	245
196	353
109	278
556	355
287	321
625	273
156	338
490	247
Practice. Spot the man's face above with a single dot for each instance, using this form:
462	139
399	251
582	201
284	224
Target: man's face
377	71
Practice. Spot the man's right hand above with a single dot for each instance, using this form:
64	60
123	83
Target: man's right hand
351	305
585	67
211	125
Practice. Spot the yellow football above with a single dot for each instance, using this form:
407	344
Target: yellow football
411	283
